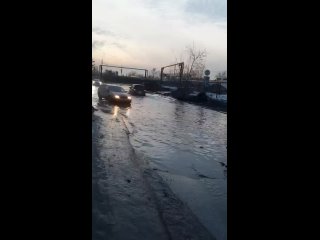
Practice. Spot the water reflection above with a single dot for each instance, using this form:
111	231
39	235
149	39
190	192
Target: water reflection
111	108
128	112
201	115
188	144
115	111
179	110
123	109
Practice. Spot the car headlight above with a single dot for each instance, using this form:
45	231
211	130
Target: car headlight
129	97
116	96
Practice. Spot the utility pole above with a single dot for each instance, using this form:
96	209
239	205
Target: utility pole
100	71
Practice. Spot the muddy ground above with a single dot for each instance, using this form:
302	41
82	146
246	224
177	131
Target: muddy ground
129	199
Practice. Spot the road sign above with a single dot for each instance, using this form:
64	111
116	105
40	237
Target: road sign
207	72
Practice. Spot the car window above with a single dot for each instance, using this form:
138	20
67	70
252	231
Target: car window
116	89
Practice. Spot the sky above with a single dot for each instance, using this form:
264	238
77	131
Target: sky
155	33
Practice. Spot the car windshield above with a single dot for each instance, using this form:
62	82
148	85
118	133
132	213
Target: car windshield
116	89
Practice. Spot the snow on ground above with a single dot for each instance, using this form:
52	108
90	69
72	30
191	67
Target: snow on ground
130	199
215	96
171	88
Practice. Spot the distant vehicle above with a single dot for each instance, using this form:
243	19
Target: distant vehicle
137	89
113	93
96	83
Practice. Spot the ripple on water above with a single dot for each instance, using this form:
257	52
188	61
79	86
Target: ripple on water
186	144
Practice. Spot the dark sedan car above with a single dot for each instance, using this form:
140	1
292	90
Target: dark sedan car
137	89
113	94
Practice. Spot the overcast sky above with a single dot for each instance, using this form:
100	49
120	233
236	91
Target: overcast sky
153	33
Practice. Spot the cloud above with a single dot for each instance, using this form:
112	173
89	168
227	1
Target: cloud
149	33
118	45
101	44
100	31
97	44
212	9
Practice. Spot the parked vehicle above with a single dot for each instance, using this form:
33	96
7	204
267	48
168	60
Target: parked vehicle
96	83
137	89
113	93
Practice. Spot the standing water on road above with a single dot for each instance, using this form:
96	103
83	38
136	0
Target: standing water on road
186	144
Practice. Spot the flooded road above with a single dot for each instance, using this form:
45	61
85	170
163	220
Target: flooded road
186	145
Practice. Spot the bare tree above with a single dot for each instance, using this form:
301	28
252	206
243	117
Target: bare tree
196	60
221	75
198	70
